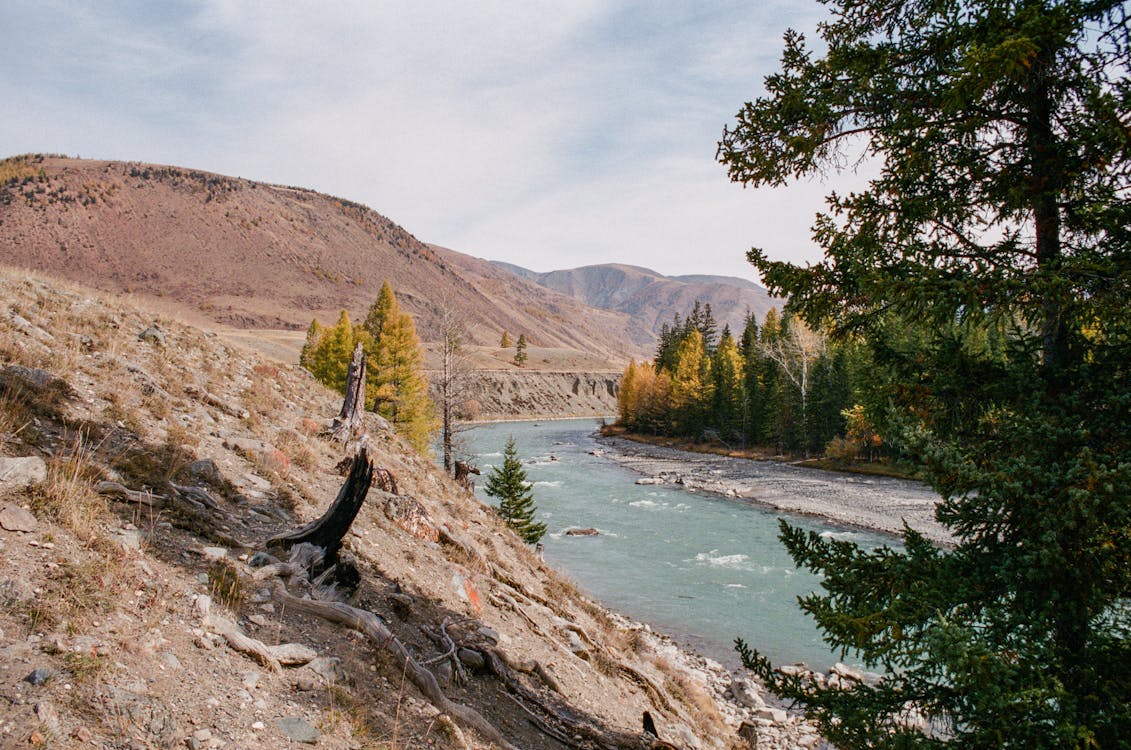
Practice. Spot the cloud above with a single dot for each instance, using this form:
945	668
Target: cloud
546	134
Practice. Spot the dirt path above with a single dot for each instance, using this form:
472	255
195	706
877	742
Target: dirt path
878	503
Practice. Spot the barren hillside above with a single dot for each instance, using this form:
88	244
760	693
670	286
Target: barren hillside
145	464
252	255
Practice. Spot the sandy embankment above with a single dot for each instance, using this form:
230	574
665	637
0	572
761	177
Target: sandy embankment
879	503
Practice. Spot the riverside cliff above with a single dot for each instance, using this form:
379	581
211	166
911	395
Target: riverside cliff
510	394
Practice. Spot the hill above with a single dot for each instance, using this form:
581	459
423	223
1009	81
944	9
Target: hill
651	299
136	610
255	256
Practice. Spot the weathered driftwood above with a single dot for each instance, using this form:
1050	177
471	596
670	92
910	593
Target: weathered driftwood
368	624
215	401
241	642
327	532
349	418
121	492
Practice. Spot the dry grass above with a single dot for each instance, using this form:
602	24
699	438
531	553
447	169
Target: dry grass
68	496
295	447
77	592
224	583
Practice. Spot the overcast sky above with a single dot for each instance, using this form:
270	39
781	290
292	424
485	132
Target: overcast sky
550	135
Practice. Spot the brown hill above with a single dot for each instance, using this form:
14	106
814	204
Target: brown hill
256	256
652	299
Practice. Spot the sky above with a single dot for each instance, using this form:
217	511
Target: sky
546	134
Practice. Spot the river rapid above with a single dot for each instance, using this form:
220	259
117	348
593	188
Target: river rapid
702	568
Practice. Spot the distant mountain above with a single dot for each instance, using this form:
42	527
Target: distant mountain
259	256
652	299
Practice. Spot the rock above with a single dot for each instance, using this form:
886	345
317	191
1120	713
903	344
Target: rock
127	539
465	588
170	661
443	672
17	377
576	646
15	518
794	670
412	517
250	680
134	714
298	730
293	654
471	659
205	470
17	473
847	673
746	693
650	480
214	553
776	715
582	532
329	668
202	735
154	335
488	634
48	717
39	676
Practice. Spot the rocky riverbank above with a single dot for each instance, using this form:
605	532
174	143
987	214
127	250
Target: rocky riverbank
878	503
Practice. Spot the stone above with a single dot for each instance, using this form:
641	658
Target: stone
170	660
328	668
775	715
18	473
154	335
489	634
48	716
293	654
471	659
202	735
298	730
251	680
39	676
127	539
214	553
15	518
17	377
411	516
582	532
746	693
205	470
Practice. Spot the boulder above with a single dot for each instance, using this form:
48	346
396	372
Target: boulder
582	532
412	517
17	473
154	335
15	518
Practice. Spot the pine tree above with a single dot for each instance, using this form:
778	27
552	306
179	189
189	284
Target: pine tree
383	309
728	373
516	501
1002	201
520	351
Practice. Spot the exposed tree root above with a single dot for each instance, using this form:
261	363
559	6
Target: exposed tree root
368	624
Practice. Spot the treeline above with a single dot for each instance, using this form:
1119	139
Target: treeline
395	384
780	384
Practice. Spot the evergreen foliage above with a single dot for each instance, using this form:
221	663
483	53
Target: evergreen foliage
516	502
998	224
520	351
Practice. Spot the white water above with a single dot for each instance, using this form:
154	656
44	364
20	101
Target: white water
701	568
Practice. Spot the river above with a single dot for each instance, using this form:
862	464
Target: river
701	568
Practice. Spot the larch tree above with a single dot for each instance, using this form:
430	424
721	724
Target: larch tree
1002	136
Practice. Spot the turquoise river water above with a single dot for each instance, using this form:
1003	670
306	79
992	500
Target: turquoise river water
701	568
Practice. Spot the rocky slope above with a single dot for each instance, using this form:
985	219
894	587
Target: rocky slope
652	299
252	255
159	460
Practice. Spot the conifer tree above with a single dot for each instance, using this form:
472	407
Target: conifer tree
520	351
1001	199
505	342
516	502
310	345
727	373
383	309
330	359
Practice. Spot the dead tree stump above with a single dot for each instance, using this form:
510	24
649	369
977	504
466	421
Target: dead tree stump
328	531
349	419
463	472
